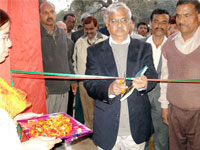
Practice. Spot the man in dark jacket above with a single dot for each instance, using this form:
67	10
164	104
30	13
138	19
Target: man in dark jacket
76	35
120	124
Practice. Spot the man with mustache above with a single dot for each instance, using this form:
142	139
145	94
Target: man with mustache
159	24
70	21
180	101
120	124
91	37
142	29
57	58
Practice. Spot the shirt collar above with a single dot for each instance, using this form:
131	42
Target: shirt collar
94	40
55	30
195	36
150	40
127	41
98	35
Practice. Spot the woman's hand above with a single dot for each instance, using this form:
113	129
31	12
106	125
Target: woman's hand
26	116
40	143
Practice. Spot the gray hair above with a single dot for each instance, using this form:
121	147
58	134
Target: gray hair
112	8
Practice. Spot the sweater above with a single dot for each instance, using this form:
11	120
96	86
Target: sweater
182	66
57	58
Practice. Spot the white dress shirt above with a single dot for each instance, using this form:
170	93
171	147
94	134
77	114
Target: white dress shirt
156	51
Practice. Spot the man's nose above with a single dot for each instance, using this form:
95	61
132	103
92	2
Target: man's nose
9	43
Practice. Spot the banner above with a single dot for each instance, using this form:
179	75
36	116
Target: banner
25	53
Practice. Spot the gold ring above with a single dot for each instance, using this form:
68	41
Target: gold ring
123	90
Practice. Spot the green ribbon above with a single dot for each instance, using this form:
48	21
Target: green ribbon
65	75
88	76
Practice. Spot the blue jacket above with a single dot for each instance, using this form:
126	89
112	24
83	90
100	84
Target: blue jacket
100	61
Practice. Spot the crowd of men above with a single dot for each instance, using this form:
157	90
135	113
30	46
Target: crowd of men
168	46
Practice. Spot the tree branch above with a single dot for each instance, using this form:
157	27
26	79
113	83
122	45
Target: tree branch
104	4
97	10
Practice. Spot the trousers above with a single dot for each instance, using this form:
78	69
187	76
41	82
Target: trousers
184	128
126	143
87	105
57	103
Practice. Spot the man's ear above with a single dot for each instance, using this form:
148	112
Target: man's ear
150	24
106	25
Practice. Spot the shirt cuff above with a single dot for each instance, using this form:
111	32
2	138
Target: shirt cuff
143	89
164	105
111	96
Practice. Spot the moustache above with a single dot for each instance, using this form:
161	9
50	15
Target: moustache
119	28
159	29
89	33
49	19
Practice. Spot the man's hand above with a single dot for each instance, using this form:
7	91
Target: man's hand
116	88
165	116
74	88
140	82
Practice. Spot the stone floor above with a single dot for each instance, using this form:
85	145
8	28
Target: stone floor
84	143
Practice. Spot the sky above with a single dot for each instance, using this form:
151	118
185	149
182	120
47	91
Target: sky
61	4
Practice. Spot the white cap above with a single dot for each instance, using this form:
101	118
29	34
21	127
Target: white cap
85	15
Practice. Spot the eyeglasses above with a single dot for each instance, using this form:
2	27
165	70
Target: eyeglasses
116	21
